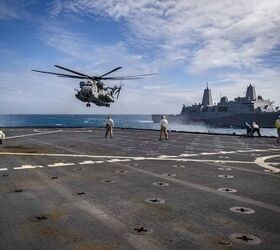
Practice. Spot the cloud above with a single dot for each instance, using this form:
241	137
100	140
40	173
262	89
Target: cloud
232	43
14	9
201	34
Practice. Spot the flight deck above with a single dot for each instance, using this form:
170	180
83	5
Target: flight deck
70	188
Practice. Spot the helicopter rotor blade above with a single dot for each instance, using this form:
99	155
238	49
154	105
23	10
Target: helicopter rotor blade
142	75
72	71
76	77
121	78
134	77
113	70
58	74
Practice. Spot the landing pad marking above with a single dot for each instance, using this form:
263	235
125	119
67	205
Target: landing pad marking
61	164
258	161
28	167
261	162
42	133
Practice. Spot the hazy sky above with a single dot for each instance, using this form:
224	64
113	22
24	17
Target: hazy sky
227	43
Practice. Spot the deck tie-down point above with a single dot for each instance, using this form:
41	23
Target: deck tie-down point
140	230
41	217
246	239
242	210
81	193
225	242
155	200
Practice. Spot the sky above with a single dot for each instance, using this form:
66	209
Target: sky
227	44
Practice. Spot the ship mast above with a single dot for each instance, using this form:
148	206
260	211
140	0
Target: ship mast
207	97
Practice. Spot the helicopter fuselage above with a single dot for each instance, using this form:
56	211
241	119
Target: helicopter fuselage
89	92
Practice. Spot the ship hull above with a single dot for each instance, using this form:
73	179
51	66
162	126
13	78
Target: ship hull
265	120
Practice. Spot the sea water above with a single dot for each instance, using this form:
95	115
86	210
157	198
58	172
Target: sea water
121	121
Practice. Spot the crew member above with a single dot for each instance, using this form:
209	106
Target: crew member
248	129
255	128
163	128
2	136
277	125
109	127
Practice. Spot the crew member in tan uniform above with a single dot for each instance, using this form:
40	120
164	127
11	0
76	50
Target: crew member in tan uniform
163	128
2	136
109	127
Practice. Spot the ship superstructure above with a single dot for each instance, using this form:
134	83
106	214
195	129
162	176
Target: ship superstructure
229	113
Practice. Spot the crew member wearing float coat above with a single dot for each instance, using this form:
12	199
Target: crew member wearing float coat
277	125
109	127
2	136
163	128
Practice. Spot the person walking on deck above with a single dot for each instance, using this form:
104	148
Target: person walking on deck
163	128
109	127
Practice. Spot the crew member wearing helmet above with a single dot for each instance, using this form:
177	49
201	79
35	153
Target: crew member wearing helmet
163	128
277	125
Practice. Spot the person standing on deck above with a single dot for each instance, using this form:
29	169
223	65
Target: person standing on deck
277	125
163	128
109	127
2	136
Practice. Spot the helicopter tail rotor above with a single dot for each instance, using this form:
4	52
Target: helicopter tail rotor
119	90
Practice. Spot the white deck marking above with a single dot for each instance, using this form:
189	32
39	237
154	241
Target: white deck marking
118	160
187	155
135	158
261	162
61	164
77	131
208	153
181	158
3	169
42	133
90	162
28	167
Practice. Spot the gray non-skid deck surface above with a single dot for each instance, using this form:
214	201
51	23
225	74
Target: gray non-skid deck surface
73	189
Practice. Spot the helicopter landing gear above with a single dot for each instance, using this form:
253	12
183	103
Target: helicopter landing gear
88	104
107	105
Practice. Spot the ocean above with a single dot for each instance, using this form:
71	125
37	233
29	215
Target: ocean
121	121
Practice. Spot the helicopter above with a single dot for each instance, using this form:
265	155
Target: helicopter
93	89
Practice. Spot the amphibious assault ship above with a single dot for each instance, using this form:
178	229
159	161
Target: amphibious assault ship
228	113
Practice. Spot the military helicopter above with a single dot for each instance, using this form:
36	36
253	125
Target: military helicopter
94	90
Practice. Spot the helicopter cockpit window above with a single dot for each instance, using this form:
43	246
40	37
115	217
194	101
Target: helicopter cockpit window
82	84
